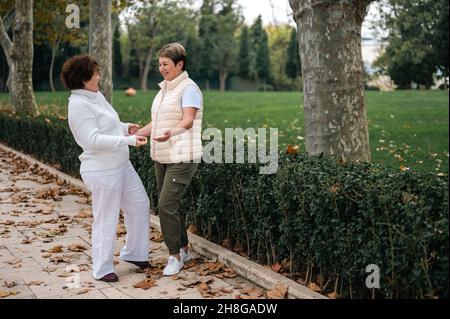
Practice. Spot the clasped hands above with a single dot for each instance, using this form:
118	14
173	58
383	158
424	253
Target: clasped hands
142	140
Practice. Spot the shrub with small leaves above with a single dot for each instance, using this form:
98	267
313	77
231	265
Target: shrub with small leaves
326	217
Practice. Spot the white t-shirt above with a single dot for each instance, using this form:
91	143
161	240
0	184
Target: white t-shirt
97	129
192	97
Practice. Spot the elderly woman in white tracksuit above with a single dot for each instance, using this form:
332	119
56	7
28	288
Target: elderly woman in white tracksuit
106	170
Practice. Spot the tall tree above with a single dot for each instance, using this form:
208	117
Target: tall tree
226	48
3	72
100	42
49	27
415	40
279	37
7	11
19	56
293	67
330	49
193	49
117	54
153	26
260	48
207	29
441	40
244	54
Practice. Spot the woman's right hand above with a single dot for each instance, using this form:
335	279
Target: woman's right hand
140	140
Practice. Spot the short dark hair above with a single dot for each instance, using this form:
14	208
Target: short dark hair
174	51
78	69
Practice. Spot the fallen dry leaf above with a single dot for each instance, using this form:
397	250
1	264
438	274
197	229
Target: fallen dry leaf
279	292
193	230
14	261
276	267
206	291
6	222
50	193
313	286
227	273
9	284
67	258
253	292
225	290
83	267
56	249
76	247
49	269
195	282
4	294
214	268
192	263
19	198
83	291
84	214
156	237
35	283
333	295
15	213
44	211
30	224
145	284
121	230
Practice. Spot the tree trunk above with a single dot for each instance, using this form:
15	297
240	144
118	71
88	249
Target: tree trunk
141	60
19	55
207	86
55	48
148	61
223	75
330	51
100	42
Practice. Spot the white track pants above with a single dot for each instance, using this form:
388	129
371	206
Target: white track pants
112	190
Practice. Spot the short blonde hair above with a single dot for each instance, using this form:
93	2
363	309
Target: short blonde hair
174	51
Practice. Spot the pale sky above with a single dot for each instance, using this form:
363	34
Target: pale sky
279	11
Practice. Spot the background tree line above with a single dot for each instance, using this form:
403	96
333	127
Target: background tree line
224	52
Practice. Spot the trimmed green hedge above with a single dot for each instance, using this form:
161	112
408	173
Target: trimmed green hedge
329	218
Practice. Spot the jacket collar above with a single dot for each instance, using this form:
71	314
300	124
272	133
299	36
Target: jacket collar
171	85
89	94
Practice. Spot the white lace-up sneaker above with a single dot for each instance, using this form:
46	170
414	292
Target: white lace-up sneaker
185	256
173	266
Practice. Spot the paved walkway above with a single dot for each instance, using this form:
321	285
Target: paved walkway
45	249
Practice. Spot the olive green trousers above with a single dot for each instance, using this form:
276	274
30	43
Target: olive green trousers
172	181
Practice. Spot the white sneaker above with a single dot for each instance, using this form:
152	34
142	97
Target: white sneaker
173	266
185	256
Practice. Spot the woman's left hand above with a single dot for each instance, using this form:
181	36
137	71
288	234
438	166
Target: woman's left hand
133	128
164	137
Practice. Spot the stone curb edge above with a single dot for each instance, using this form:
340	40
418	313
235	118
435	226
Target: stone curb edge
246	268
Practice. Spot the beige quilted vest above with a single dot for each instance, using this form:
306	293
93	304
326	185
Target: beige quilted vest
167	112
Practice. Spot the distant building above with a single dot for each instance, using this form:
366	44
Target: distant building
371	49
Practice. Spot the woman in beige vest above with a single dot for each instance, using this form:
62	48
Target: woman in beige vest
175	147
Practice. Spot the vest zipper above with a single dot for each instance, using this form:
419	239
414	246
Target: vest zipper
163	92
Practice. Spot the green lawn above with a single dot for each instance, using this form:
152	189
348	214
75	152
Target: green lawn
407	128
